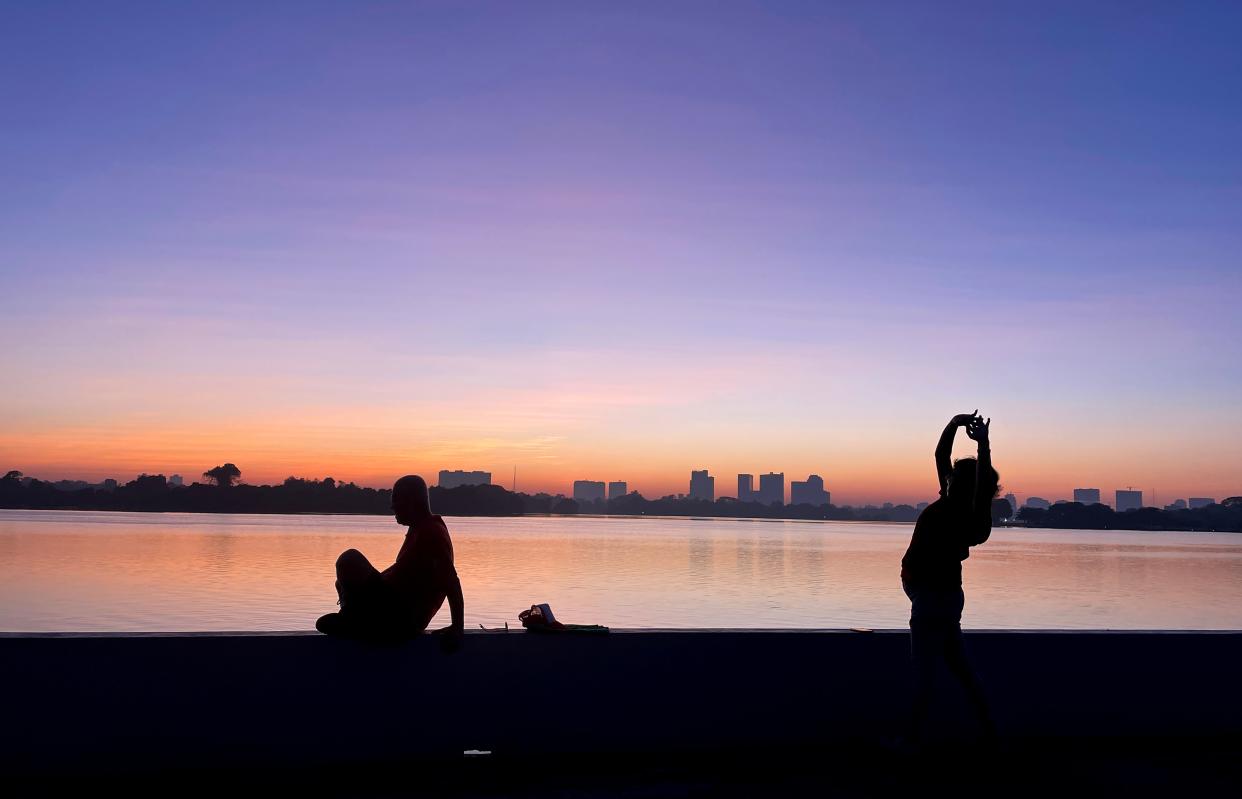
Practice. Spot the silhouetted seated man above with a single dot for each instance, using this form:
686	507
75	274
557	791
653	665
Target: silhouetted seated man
402	600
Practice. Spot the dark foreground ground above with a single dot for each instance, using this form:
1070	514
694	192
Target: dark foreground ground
1048	768
631	714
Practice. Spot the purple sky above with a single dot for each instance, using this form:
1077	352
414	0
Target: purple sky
621	241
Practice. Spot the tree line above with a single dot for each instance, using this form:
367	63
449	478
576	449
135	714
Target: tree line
224	493
1225	516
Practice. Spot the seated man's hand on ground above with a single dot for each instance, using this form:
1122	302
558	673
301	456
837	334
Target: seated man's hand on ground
450	639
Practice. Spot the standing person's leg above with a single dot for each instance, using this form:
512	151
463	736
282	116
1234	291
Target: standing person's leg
924	652
960	667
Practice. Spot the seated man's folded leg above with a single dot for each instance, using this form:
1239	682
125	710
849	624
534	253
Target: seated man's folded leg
353	567
358	583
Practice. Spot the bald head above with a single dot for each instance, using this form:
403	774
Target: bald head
409	499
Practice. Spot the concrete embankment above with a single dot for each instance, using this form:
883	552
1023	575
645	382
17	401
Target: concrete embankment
132	702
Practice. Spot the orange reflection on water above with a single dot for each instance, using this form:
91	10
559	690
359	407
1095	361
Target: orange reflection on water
114	571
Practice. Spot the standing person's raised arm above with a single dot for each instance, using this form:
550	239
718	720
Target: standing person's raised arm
944	449
985	486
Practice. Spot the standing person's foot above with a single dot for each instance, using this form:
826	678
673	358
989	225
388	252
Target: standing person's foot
990	741
902	745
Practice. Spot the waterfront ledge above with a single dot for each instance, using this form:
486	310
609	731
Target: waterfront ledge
122	702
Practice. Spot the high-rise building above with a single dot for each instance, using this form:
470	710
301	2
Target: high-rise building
1038	502
588	490
617	488
176	481
772	488
809	492
1087	496
1201	502
745	488
702	486
1128	500
457	478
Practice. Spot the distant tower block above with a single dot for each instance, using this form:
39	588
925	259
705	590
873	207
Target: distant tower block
809	492
588	490
772	488
1087	496
1129	500
617	488
746	488
458	478
702	486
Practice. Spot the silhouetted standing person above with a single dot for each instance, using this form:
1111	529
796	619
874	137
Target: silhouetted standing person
402	600
931	571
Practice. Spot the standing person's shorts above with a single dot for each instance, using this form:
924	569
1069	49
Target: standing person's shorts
935	606
935	623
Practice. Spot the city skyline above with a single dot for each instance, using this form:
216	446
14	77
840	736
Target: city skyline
615	239
811	491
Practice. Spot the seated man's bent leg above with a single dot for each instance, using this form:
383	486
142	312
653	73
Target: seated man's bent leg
360	588
355	576
353	568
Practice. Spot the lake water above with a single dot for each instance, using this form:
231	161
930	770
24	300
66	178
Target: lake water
81	571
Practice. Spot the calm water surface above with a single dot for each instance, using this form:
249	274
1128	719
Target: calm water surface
62	571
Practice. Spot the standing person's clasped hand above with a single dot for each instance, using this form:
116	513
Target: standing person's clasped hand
965	419
977	430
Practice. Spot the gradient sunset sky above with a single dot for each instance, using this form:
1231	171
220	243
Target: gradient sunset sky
621	241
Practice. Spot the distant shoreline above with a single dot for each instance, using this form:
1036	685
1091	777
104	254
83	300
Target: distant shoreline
296	495
653	516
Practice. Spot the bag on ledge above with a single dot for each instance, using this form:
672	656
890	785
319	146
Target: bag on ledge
540	619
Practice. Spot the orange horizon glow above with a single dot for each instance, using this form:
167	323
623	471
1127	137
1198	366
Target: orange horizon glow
856	473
